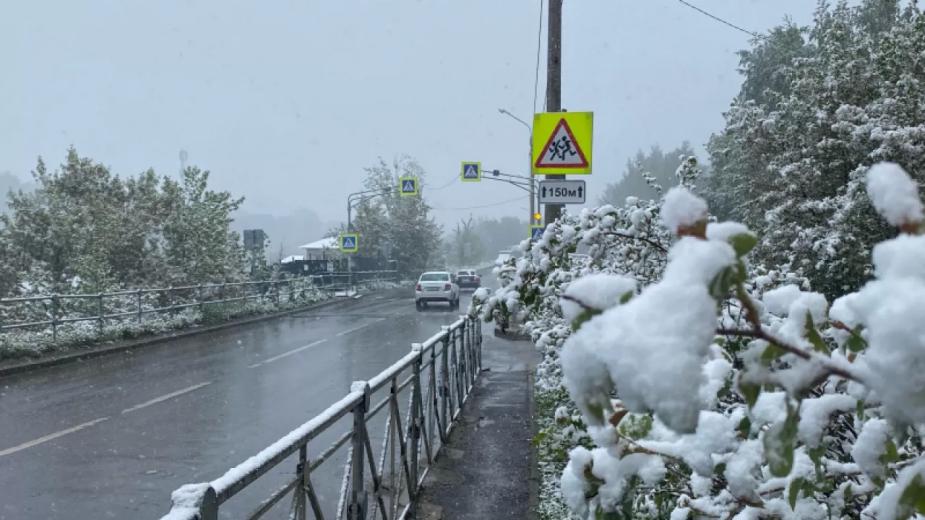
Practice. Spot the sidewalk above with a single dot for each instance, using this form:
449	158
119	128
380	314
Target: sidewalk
486	471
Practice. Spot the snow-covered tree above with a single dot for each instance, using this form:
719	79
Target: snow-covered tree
401	226
818	106
199	244
83	228
644	169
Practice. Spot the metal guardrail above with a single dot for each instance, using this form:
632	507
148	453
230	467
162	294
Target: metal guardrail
142	302
441	373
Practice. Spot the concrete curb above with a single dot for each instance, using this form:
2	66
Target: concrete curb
99	350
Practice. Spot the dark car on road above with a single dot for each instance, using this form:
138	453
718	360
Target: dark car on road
468	278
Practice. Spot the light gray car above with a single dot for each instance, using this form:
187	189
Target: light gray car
436	286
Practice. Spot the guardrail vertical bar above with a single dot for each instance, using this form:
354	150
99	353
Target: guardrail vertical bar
433	416
54	317
454	372
478	328
415	425
99	313
444	384
297	511
466	341
208	508
473	359
358	499
202	299
138	304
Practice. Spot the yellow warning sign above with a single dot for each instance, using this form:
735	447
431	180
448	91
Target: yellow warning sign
562	143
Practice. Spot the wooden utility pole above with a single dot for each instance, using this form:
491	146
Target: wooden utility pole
554	83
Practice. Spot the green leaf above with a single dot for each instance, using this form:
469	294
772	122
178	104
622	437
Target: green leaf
815	455
813	335
745	427
743	243
749	391
794	493
722	282
772	352
779	443
890	453
856	342
584	316
913	498
635	426
809	488
626	297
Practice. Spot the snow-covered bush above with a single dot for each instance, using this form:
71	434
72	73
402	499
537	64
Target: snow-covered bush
613	250
718	390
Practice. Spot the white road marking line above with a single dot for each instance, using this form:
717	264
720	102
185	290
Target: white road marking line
289	353
51	436
348	331
165	397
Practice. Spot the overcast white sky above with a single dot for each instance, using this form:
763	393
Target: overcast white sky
286	101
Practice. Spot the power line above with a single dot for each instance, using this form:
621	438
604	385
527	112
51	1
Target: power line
447	185
539	41
480	206
720	20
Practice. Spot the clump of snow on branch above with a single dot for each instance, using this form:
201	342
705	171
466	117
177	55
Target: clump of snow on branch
682	209
894	194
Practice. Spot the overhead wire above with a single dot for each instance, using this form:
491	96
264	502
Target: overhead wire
722	21
447	185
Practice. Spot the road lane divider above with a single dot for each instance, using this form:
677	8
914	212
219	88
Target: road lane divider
287	353
51	436
165	397
354	329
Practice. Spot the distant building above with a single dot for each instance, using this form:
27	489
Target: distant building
321	256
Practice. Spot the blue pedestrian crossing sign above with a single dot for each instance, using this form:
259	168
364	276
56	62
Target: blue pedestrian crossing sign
408	186
349	242
536	231
471	171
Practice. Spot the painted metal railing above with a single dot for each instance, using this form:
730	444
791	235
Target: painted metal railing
53	310
433	382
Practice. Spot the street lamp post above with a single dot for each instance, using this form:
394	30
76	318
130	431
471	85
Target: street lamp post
533	204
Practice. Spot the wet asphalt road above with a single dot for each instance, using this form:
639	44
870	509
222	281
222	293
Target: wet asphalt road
111	437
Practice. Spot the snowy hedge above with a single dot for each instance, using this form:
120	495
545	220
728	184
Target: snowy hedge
703	387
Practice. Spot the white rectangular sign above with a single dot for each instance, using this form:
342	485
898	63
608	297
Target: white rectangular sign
562	192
